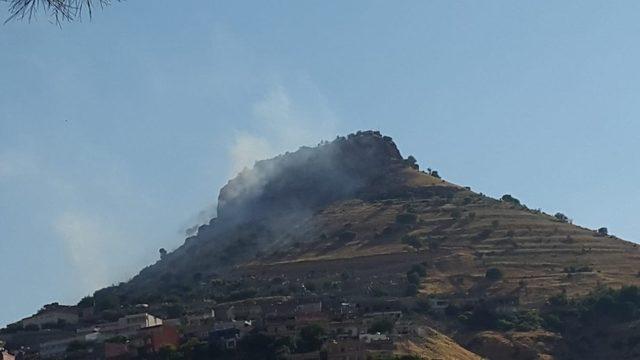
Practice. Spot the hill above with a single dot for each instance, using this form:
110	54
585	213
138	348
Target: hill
353	222
356	204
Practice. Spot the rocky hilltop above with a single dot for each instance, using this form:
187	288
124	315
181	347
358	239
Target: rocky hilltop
353	222
358	166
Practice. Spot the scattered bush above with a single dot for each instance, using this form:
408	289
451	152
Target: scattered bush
618	305
106	300
86	302
413	278
510	199
381	326
32	327
411	161
484	318
561	217
174	311
376	292
347	236
603	231
256	346
406	218
412	241
558	300
574	269
412	290
493	274
484	234
423	306
310	338
419	269
434	244
311	286
521	321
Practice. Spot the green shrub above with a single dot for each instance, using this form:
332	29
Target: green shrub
419	269
376	292
493	274
86	302
406	218
347	236
413	278
574	269
412	290
484	234
510	199
411	161
412	241
310	338
381	326
618	305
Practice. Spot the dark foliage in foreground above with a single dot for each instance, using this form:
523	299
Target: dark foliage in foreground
59	10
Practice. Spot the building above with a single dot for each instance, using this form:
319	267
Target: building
153	338
369	338
345	329
438	304
244	327
244	311
128	325
280	326
198	325
309	308
205	318
225	338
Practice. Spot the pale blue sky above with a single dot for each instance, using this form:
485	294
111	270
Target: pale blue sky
116	133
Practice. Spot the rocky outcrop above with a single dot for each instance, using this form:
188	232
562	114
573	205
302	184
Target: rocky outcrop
309	178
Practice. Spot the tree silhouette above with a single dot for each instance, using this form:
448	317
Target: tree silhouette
59	10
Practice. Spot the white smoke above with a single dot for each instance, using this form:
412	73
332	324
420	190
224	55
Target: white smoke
282	123
86	242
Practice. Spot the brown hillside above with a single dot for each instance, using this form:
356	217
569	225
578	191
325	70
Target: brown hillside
356	206
350	219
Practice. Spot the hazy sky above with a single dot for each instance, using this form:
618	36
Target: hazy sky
117	133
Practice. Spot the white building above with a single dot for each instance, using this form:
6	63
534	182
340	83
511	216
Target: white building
128	325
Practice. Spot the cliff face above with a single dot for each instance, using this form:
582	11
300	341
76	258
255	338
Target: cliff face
312	177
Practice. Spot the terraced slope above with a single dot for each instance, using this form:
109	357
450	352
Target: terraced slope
352	219
355	214
458	239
